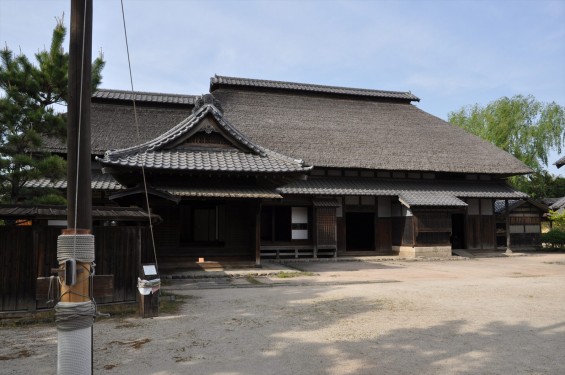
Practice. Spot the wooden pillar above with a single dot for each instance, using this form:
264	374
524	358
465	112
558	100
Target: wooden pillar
80	291
507	215
79	211
315	230
258	235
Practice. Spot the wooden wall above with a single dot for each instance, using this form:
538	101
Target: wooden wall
383	234
27	253
481	232
403	231
433	228
239	242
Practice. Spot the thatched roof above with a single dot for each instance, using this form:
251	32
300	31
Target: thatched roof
323	125
561	162
355	132
113	121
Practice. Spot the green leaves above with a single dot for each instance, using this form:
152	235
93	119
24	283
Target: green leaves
28	115
521	125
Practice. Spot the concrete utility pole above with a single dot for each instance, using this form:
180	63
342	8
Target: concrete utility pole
75	247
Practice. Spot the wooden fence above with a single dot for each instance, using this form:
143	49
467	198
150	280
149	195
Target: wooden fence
27	253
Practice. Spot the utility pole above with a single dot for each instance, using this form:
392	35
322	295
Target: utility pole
75	247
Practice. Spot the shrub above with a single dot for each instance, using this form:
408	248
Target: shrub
554	238
557	219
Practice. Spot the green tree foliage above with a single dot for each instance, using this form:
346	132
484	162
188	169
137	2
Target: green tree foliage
521	125
554	238
541	185
28	114
524	127
557	219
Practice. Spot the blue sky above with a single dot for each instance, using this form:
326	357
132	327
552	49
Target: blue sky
448	53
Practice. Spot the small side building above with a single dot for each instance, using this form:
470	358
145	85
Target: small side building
522	219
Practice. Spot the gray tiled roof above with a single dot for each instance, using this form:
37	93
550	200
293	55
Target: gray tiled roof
98	182
148	97
558	205
223	192
561	162
500	205
218	161
412	193
221	81
430	199
249	157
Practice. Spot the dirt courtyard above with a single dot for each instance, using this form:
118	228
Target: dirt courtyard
480	316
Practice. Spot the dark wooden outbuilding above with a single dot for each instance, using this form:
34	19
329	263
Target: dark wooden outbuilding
28	239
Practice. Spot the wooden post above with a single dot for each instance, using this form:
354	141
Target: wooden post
258	235
80	291
507	215
79	193
78	140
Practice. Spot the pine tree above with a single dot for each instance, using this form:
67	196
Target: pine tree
32	95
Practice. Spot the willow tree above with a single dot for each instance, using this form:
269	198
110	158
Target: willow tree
31	110
521	125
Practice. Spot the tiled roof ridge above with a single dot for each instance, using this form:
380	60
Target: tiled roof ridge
309	87
144	96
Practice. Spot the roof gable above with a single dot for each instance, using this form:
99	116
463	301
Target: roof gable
205	141
206	124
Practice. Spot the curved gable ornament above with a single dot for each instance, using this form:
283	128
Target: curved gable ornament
207	99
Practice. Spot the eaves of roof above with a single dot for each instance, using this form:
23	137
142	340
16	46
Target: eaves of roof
98	182
143	97
410	193
558	205
201	161
60	212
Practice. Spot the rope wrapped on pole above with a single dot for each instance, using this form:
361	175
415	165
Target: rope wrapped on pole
71	316
75	246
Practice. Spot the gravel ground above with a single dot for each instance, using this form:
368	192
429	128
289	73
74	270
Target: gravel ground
481	316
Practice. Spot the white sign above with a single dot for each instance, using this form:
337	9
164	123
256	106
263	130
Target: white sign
149	270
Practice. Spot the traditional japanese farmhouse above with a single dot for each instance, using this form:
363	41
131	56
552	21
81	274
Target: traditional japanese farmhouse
266	169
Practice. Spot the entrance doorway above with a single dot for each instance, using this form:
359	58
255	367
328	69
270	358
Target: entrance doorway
360	231
458	231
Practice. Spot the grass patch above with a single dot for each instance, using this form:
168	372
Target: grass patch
251	280
288	275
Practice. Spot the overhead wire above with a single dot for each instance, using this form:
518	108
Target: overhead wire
139	138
